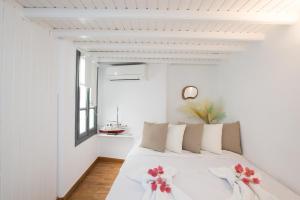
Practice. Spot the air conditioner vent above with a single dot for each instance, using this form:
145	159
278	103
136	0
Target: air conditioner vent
127	63
132	79
126	72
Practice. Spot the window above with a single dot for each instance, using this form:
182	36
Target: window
86	99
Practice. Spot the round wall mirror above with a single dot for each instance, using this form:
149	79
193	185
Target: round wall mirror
189	92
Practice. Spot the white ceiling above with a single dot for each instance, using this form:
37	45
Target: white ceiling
161	31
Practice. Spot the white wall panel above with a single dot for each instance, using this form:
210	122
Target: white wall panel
72	161
32	64
261	89
179	76
138	101
28	108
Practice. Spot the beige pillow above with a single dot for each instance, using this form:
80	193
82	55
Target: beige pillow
231	138
155	136
192	137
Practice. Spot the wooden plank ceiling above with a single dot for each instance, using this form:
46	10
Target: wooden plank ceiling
161	31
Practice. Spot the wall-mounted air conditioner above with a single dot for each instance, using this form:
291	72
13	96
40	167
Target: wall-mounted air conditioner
126	72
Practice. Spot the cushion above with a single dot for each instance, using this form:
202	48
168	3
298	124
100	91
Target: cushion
192	137
175	137
212	138
231	139
155	136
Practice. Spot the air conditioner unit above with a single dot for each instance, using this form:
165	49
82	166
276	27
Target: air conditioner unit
126	72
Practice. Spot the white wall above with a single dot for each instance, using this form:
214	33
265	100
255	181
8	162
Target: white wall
138	101
156	99
72	161
261	89
28	108
179	76
32	63
37	112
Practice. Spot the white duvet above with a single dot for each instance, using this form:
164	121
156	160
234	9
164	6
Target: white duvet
193	176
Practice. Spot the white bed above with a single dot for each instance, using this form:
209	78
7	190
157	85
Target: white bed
193	178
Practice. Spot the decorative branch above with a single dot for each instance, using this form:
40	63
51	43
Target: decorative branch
207	111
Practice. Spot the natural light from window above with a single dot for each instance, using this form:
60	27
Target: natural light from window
82	70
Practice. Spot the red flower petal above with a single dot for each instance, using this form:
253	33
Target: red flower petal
168	190
246	180
239	168
248	172
162	188
159	180
154	174
153	186
256	180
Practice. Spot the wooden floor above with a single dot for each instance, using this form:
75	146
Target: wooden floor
98	181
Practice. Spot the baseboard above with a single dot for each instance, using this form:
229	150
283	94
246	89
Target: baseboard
106	159
99	159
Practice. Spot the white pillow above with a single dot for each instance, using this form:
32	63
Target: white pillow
212	138
175	137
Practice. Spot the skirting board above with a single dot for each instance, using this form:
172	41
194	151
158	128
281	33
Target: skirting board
99	159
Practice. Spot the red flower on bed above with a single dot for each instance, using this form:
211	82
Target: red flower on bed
160	169
153	186
249	172
246	180
256	181
239	168
162	187
168	190
153	172
165	187
159	181
245	174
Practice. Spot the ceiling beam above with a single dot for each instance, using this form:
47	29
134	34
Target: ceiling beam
88	46
186	35
160	61
97	14
157	55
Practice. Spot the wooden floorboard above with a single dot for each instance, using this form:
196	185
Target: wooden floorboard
98	181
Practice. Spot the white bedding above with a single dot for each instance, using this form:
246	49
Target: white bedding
193	178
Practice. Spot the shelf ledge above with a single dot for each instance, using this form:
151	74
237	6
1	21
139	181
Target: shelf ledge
115	136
